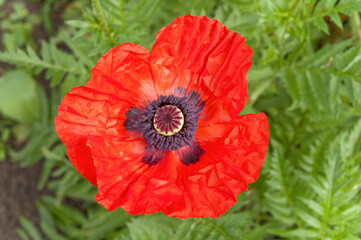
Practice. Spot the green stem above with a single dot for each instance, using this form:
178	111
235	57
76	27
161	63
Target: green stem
356	25
122	15
103	23
290	15
328	202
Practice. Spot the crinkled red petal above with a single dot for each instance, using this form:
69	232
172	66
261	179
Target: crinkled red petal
125	181
125	68
242	141
201	54
85	111
120	79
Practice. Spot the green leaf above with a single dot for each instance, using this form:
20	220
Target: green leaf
18	96
315	206
30	228
152	227
335	17
102	222
22	234
321	24
63	212
77	23
45	173
225	227
299	233
309	219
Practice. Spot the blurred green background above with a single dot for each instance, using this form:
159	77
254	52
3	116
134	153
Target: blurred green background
306	76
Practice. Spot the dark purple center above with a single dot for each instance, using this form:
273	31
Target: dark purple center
169	124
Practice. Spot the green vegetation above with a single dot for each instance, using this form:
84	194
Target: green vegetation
306	76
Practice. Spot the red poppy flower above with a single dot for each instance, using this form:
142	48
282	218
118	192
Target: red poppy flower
160	131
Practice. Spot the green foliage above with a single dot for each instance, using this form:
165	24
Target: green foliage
4	138
320	187
58	64
306	76
314	83
18	26
18	96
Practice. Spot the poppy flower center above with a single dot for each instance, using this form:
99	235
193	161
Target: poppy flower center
168	120
169	123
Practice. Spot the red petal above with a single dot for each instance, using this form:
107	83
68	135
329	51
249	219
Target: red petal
243	142
201	54
122	74
125	181
234	154
85	111
125	68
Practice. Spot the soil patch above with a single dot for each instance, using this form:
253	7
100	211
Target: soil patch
18	194
18	188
